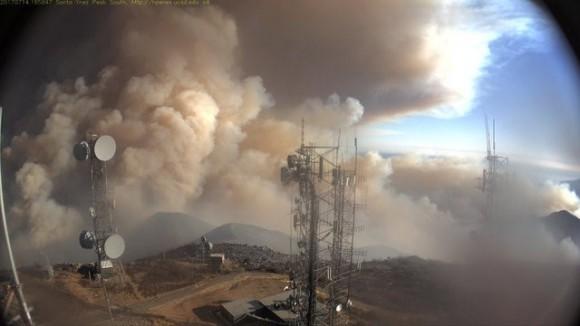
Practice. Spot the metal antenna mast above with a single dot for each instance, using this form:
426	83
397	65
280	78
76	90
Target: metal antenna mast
496	166
16	285
302	134
323	217
108	245
345	182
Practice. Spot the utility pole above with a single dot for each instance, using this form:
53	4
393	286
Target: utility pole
16	285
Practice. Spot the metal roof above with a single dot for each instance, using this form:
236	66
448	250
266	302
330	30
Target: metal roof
277	304
272	307
239	308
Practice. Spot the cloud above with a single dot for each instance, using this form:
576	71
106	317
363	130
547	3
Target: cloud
45	219
192	133
176	120
432	206
396	57
205	112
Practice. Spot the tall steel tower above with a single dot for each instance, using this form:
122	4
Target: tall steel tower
108	245
345	182
496	167
324	220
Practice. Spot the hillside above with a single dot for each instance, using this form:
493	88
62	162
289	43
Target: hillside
414	291
562	225
164	231
279	241
175	288
250	235
379	252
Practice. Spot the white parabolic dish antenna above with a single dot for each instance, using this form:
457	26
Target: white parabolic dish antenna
114	246
105	148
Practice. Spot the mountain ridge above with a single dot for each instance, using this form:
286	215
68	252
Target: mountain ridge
164	231
251	235
563	225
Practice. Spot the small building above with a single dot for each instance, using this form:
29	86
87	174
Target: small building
234	312
278	304
272	310
216	261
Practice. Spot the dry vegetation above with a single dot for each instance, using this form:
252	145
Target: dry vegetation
176	290
413	291
157	276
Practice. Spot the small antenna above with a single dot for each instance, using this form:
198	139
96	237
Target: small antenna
355	158
302	134
337	146
487	137
494	137
495	171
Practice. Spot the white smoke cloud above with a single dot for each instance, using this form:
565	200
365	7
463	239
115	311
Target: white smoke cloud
431	206
178	110
46	219
173	121
196	135
397	57
459	43
329	114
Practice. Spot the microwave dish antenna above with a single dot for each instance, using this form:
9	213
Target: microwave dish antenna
105	148
114	246
82	151
87	240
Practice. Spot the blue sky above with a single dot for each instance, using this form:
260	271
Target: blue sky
530	85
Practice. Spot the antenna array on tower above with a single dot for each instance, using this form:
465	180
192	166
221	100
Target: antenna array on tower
324	213
108	245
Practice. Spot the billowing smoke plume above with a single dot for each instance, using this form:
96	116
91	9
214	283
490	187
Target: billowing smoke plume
434	207
196	134
178	108
397	57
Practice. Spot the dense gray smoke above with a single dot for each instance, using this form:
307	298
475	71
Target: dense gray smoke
397	57
178	108
196	135
433	207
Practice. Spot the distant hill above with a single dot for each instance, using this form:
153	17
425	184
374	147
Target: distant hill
380	252
163	231
250	235
280	241
562	225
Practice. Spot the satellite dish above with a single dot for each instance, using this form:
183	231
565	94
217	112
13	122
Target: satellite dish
81	151
87	240
114	246
92	212
339	307
105	148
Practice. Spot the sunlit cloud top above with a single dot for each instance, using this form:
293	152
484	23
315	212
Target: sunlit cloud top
460	42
